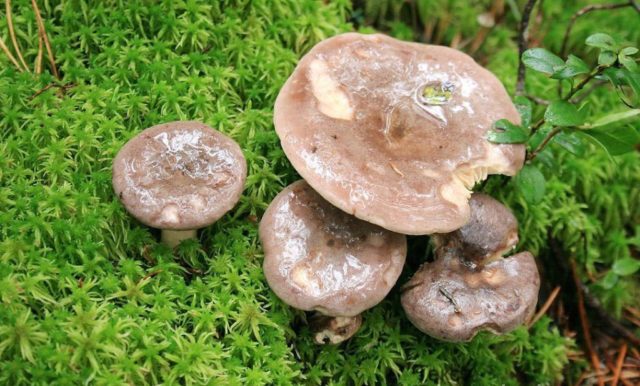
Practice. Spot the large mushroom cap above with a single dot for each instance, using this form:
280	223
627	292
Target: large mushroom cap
394	132
320	258
491	231
449	301
179	175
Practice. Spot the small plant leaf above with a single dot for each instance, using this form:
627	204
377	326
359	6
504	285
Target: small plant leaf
507	132
602	41
615	141
626	266
570	141
574	66
531	184
525	109
629	63
609	280
614	117
606	58
623	77
562	113
541	60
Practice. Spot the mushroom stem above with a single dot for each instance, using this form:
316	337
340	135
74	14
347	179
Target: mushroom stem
334	329
172	238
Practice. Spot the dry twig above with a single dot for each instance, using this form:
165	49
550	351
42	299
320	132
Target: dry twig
12	34
619	362
43	35
543	310
6	51
38	66
584	322
587	9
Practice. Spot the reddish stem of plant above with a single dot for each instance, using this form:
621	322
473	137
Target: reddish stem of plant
584	322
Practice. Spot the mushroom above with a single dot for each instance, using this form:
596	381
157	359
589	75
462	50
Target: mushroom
471	287
179	177
392	132
318	258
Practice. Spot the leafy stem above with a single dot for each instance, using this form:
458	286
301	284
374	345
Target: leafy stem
596	71
532	155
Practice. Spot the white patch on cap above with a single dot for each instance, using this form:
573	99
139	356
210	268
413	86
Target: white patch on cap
332	100
170	214
300	276
196	202
456	193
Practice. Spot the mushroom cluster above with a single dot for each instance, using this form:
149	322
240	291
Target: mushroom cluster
390	139
471	287
179	177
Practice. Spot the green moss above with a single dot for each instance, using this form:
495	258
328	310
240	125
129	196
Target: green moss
87	293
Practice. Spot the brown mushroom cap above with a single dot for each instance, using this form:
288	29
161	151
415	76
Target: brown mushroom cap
449	301
179	175
320	258
491	231
394	132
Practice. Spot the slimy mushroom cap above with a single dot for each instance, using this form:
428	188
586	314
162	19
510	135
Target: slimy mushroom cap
320	258
179	175
392	132
492	230
447	300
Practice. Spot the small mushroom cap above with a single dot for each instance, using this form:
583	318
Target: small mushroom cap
317	257
179	175
334	329
491	231
394	132
450	301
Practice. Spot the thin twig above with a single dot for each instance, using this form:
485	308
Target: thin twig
584	11
150	275
544	143
540	101
13	60
63	88
584	322
43	34
12	34
597	71
588	91
619	362
38	66
543	310
522	44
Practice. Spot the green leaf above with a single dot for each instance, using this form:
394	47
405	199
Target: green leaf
606	58
626	266
539	136
572	142
615	141
525	109
623	77
507	132
541	60
563	113
602	41
629	51
574	66
629	63
530	182
613	118
609	280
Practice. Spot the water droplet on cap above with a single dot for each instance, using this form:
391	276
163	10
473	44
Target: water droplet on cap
435	93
